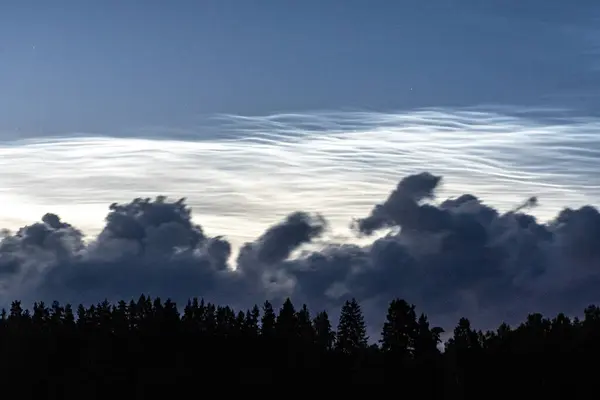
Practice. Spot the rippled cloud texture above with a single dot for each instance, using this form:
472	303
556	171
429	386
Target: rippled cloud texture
317	207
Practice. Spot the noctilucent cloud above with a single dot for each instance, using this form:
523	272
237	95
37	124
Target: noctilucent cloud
285	124
70	66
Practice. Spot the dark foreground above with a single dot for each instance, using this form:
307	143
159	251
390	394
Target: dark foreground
148	349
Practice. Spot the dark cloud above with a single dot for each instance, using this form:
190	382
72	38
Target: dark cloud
402	206
280	240
451	258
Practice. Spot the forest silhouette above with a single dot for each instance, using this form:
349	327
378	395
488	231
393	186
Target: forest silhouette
149	347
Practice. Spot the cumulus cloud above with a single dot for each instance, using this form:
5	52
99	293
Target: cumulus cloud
455	256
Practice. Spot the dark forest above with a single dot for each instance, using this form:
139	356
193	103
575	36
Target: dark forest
152	348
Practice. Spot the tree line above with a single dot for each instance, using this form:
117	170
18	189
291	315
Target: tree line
149	347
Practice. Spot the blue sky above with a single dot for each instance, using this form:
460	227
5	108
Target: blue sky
97	67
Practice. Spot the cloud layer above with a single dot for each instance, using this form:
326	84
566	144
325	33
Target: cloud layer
450	255
259	169
456	257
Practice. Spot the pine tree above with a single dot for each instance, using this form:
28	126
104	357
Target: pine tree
69	316
225	321
81	316
57	313
208	319
267	322
324	335
400	329
286	325
464	337
16	310
427	340
305	327
240	324
171	317
251	321
351	331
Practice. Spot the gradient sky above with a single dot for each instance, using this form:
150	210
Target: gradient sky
103	67
325	100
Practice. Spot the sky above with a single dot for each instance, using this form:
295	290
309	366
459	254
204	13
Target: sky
82	66
444	151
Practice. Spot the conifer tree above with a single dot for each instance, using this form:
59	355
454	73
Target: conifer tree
427	339
286	325
251	321
324	335
351	332
400	329
267	323
305	327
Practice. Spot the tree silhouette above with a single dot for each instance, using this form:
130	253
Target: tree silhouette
136	348
351	331
324	335
427	340
286	324
306	330
268	321
251	322
400	330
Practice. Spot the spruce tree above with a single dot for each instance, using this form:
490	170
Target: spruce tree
351	331
324	335
267	322
286	325
252	318
400	329
305	327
